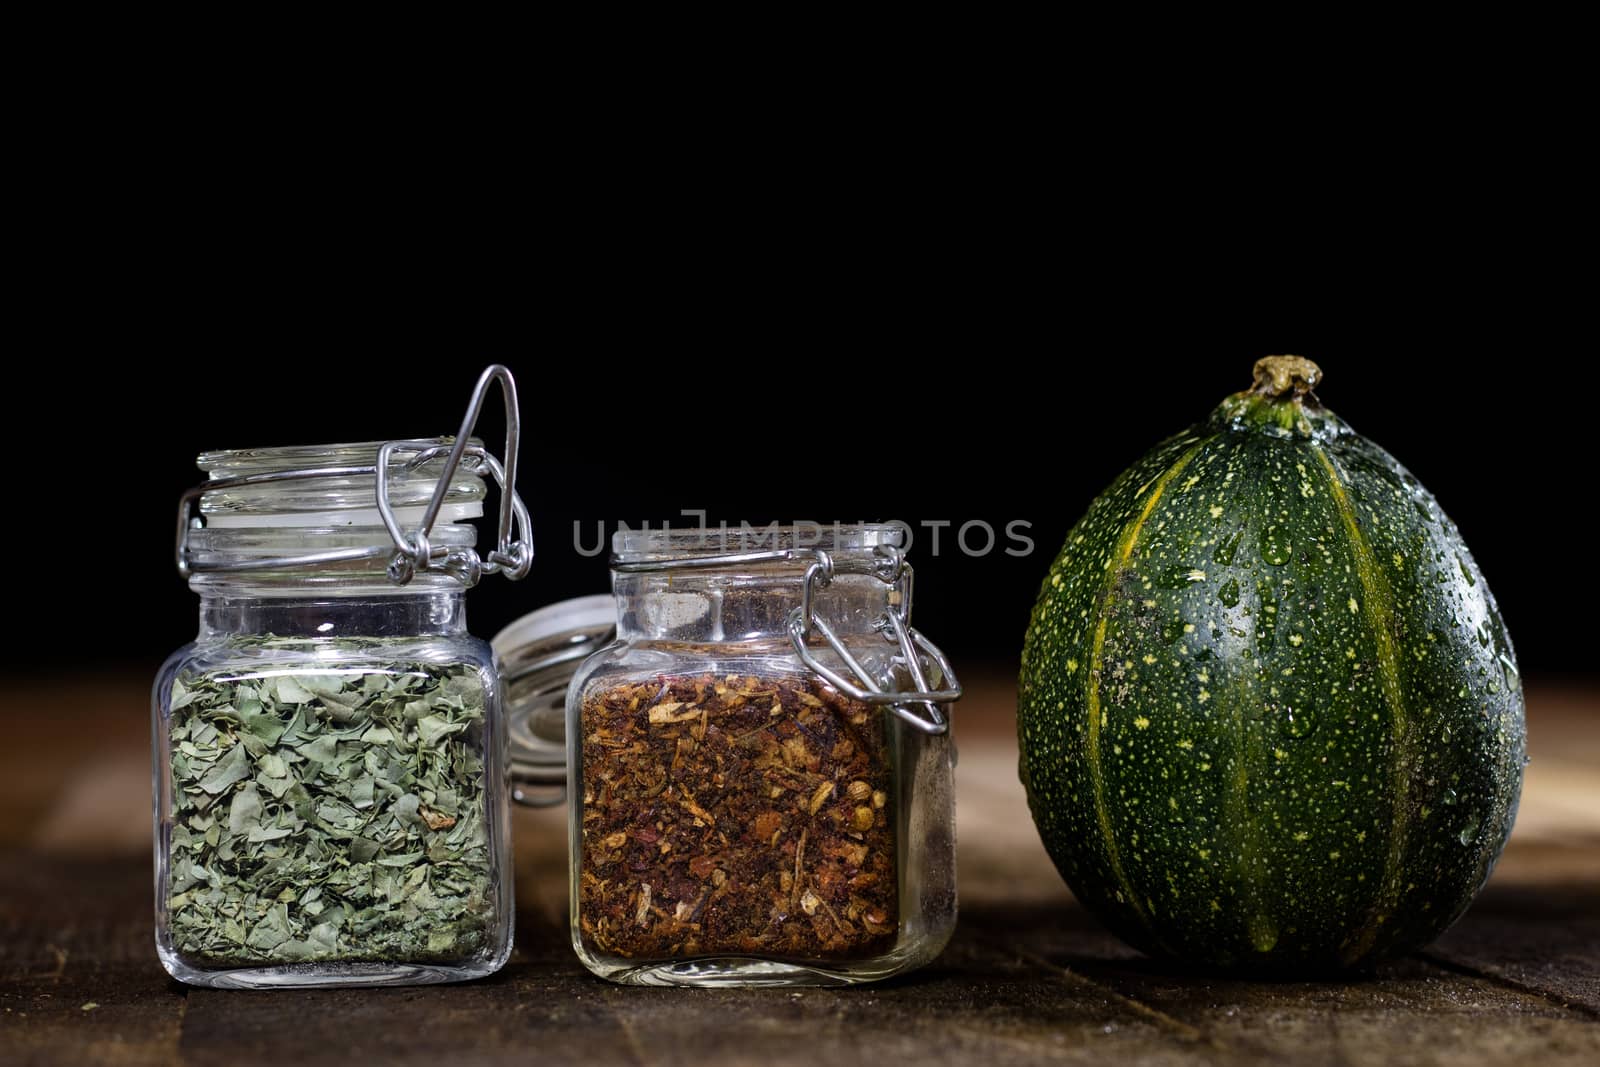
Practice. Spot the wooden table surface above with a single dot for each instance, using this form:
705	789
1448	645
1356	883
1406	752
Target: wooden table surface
1029	977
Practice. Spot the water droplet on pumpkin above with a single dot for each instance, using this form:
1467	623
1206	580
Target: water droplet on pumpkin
1299	723
1513	676
1468	832
1226	548
1229	593
1449	796
1466	571
1276	547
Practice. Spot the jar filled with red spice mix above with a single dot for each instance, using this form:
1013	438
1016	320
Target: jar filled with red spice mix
760	766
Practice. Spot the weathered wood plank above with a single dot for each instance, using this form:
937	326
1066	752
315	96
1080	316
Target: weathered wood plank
1018	985
1408	1013
1539	935
73	934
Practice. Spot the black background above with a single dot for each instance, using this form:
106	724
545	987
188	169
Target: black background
954	300
963	403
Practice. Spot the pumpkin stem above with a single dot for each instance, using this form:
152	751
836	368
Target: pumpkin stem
1279	376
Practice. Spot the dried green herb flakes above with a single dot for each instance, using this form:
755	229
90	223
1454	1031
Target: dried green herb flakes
330	817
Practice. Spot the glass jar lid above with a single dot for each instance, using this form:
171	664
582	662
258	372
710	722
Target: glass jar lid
358	504
817	555
337	486
308	515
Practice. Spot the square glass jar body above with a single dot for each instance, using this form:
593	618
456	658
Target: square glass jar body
736	819
330	807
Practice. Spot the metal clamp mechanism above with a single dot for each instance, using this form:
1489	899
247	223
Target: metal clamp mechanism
511	556
918	707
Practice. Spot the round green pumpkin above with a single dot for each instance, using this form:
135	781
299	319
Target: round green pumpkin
1269	715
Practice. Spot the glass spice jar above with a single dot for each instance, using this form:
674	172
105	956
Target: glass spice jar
329	752
760	767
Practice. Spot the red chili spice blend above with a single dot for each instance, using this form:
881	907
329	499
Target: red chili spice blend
737	815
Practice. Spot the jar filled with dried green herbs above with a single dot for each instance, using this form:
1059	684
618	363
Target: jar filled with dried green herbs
760	768
329	750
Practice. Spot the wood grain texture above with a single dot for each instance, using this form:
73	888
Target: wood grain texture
1029	978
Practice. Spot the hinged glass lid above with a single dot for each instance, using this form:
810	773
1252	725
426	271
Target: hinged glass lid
869	550
262	509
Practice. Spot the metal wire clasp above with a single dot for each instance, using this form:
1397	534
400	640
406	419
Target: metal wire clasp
512	555
920	706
